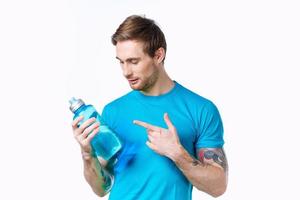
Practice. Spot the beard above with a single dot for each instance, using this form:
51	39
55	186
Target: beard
146	83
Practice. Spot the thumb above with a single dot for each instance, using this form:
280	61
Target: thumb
168	122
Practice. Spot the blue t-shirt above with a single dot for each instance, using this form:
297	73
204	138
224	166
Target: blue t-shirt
148	175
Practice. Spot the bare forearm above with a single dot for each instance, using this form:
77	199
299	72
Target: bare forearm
209	175
210	178
98	178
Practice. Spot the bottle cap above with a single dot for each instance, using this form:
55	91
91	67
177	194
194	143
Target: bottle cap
75	104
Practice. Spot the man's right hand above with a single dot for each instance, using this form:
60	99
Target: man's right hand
84	134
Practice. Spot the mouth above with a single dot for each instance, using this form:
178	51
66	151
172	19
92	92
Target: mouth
133	81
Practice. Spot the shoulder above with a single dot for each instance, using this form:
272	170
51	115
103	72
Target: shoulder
195	99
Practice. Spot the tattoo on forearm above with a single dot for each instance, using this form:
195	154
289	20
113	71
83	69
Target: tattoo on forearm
217	155
212	155
195	162
106	180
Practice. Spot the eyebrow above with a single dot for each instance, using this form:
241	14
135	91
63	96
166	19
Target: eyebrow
129	59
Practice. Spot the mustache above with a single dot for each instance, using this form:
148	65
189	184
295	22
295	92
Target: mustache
131	78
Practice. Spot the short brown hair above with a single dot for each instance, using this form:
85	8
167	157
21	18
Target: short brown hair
142	29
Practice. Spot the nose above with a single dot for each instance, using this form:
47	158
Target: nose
126	70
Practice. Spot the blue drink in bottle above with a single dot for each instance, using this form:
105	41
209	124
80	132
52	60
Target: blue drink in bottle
105	143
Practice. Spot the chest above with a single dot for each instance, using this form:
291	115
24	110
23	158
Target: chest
130	133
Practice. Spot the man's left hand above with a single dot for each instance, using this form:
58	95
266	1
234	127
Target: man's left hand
163	141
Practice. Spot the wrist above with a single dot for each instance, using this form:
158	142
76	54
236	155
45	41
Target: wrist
86	156
177	153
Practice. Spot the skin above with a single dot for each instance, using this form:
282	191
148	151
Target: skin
95	173
207	172
143	72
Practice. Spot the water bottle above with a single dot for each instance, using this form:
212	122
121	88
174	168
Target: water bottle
105	143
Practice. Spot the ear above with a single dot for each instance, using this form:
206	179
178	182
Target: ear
160	54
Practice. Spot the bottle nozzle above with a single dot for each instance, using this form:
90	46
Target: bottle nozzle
72	100
75	104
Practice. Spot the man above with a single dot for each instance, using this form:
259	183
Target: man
177	134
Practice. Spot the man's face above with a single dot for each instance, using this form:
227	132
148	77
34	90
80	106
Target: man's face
138	67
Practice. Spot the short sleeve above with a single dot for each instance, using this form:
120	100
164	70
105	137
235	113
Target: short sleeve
210	129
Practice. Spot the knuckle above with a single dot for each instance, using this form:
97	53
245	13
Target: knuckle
81	129
85	131
74	124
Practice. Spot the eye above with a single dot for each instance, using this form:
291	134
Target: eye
134	62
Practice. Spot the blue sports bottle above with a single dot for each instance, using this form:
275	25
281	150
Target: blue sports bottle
105	143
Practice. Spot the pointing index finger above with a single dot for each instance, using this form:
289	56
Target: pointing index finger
146	125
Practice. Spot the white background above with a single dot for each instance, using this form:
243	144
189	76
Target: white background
243	55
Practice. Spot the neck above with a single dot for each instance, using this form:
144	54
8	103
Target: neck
163	85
